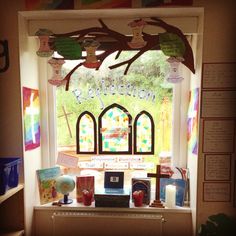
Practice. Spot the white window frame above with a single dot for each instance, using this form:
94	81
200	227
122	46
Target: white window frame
186	18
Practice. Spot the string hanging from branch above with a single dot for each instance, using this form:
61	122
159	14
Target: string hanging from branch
172	42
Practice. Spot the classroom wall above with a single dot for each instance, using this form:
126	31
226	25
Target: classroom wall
219	46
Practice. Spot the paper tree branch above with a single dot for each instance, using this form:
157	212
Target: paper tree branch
122	42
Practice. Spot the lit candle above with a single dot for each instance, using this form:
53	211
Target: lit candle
170	196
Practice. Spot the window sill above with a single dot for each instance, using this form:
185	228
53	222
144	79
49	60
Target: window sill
80	207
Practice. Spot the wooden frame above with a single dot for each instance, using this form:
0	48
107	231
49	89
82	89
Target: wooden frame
77	133
100	134
152	132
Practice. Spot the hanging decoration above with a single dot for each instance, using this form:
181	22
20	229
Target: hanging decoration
174	76
56	65
137	29
91	46
4	52
173	43
173	46
44	48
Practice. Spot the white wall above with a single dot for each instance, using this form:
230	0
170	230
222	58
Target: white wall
32	159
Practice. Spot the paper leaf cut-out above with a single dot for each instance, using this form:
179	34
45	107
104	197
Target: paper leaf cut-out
67	47
171	45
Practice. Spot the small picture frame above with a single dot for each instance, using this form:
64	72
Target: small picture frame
114	179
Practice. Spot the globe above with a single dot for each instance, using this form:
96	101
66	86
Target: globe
65	184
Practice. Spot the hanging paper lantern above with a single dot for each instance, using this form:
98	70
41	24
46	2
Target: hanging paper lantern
69	48
174	76
91	46
44	48
137	30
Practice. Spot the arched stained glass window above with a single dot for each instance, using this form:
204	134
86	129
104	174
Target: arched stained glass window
143	134
86	135
115	130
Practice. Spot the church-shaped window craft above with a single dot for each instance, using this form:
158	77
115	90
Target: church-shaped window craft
86	134
143	134
115	131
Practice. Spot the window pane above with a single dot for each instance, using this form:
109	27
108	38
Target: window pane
115	131
86	134
144	134
143	88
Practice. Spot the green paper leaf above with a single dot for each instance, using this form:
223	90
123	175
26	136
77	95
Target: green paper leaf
171	45
68	48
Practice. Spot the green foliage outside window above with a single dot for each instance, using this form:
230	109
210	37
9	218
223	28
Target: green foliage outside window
147	73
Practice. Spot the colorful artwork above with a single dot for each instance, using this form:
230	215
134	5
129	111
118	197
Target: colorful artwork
48	4
144	134
86	134
84	183
96	4
193	121
155	3
31	114
47	184
115	130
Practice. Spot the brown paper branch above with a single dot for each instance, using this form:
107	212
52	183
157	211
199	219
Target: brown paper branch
121	44
188	55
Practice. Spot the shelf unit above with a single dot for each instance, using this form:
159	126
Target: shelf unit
11	192
12	212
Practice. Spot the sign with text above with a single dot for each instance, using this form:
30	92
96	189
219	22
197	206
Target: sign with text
67	160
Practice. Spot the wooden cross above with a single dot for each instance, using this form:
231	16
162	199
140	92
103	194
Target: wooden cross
66	117
157	175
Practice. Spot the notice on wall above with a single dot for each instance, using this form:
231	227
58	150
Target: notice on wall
218	136
219	75
217	167
216	192
218	104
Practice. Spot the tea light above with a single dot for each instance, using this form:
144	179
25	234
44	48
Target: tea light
170	196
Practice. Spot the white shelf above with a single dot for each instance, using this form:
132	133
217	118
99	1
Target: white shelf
10	193
80	207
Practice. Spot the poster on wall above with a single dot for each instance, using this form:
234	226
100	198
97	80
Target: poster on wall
216	192
102	4
218	136
218	103
156	3
31	116
31	5
193	121
219	75
218	167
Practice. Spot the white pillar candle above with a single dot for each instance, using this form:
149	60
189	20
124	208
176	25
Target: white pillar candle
170	196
